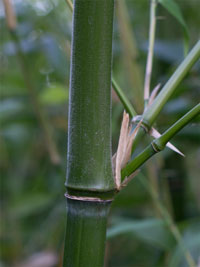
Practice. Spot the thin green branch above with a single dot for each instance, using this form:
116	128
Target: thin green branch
159	144
153	111
176	127
168	219
152	30
124	100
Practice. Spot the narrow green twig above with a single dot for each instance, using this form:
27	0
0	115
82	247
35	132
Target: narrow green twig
168	219
124	100
152	30
176	127
159	144
152	112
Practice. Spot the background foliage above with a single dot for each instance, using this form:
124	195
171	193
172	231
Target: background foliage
33	168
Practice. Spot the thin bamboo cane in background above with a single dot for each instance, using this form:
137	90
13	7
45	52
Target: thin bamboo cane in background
38	110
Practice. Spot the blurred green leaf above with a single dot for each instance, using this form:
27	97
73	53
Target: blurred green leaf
177	106
168	51
151	231
54	54
15	133
175	11
31	204
191	133
10	107
54	94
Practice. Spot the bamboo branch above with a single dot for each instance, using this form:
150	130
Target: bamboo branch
154	109
154	133
152	112
124	100
176	127
159	144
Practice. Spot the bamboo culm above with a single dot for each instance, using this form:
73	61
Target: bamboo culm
89	182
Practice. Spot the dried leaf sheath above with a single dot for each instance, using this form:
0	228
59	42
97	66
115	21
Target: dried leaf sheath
121	148
123	153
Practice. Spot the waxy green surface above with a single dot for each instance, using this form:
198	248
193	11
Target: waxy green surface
89	139
85	233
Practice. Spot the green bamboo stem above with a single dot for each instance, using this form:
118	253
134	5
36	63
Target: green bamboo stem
90	184
86	232
123	98
167	218
89	161
176	127
159	144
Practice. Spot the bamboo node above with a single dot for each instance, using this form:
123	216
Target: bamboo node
92	199
155	147
144	124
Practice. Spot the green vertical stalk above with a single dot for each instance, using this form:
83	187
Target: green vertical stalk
123	99
86	228
90	184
